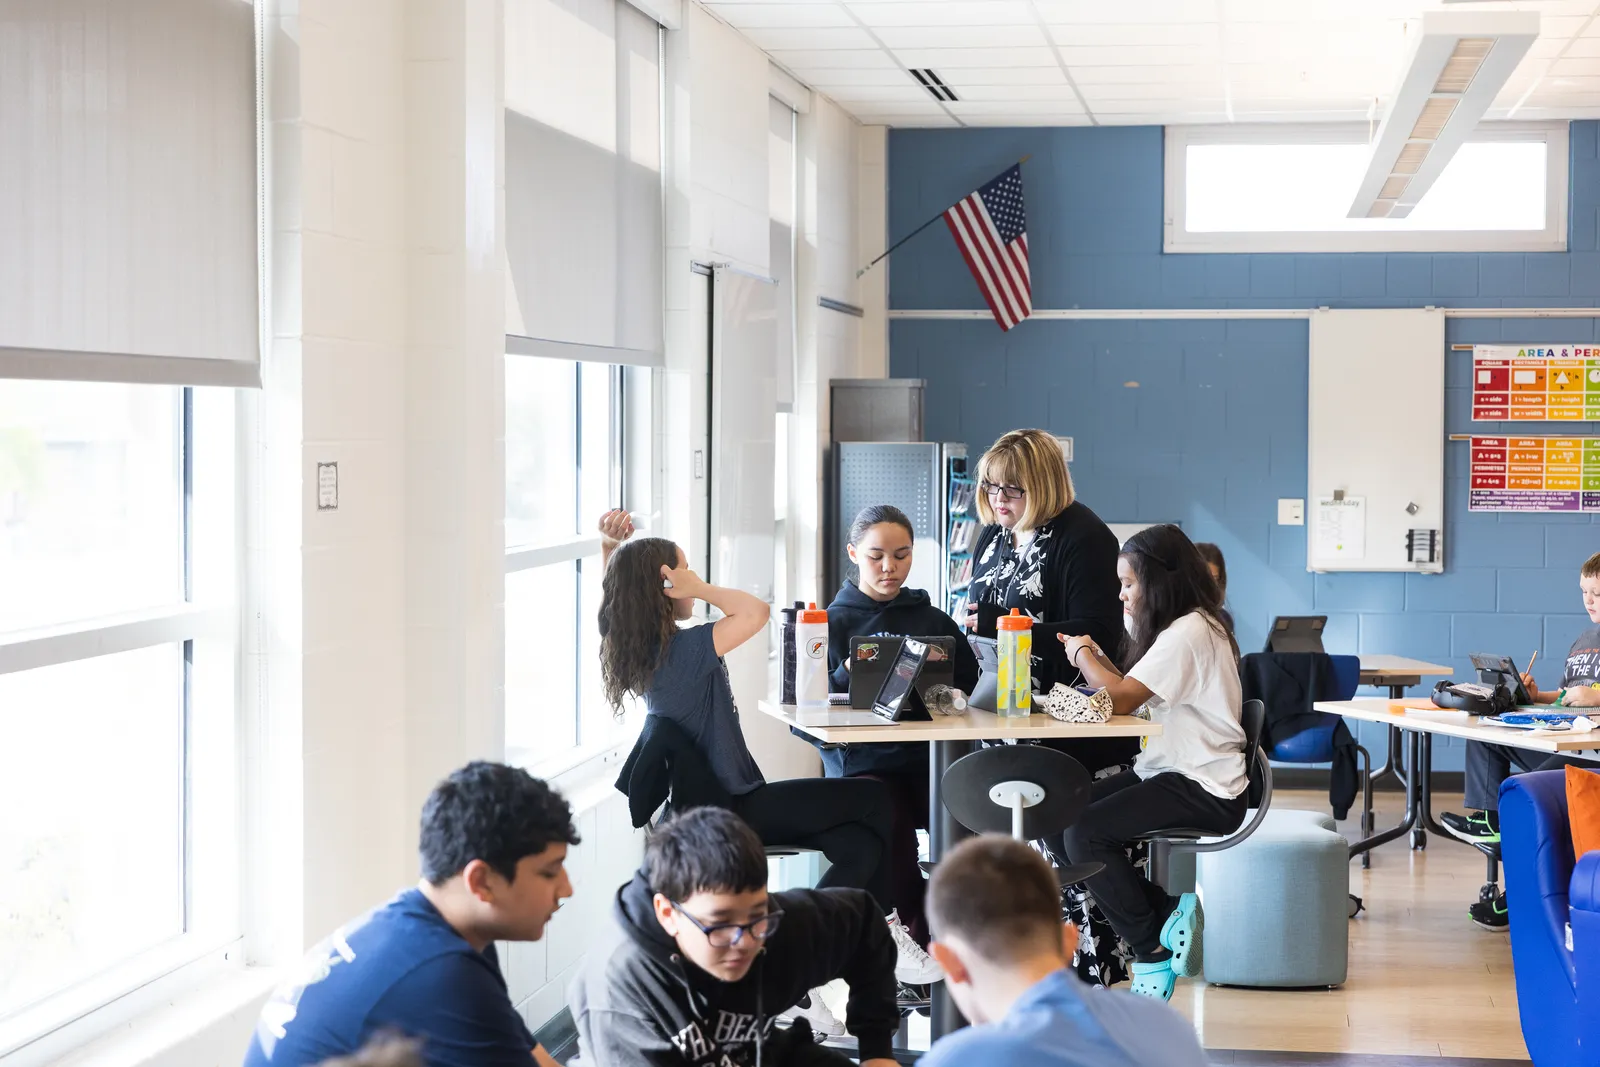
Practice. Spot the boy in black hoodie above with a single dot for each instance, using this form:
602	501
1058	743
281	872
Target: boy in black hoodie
704	959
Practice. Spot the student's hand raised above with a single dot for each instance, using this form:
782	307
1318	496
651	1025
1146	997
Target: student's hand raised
616	526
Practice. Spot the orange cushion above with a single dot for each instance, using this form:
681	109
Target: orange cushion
1583	809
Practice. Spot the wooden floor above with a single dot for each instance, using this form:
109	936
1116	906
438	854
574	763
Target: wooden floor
1424	981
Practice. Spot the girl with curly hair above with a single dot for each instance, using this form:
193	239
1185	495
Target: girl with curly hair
647	594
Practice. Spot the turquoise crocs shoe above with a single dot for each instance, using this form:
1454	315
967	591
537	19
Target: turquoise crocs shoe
1154	980
1182	934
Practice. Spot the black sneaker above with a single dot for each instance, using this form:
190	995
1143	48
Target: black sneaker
1491	914
1479	828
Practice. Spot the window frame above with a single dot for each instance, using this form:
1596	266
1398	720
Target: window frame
626	427
204	627
1176	238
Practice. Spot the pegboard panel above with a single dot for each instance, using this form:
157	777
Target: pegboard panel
904	474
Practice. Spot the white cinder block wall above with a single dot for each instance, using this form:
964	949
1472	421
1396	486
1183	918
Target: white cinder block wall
373	651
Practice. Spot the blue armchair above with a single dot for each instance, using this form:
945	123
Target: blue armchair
1558	990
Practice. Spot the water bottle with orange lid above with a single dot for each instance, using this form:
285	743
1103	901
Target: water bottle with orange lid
1014	689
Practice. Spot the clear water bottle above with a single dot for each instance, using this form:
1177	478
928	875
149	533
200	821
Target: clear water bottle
1014	688
945	700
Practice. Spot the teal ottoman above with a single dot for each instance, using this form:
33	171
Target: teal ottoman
1277	905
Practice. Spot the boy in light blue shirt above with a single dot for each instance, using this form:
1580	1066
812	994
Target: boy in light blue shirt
995	912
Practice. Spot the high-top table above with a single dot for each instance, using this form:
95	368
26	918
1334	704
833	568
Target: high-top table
1418	727
951	737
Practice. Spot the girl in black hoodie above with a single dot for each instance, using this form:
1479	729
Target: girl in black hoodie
876	604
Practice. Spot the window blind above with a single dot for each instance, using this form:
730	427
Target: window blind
129	234
584	235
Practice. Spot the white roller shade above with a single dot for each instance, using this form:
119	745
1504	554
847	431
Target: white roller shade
781	184
128	191
583	181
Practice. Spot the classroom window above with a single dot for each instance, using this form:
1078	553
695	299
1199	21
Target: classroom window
117	654
1289	189
570	427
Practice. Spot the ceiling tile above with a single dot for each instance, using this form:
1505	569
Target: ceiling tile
949	58
1060	93
1560	27
1163	91
746	16
827	78
1123	11
845	58
1078	119
794	38
1136	75
1014	107
1319	10
1138	55
961	36
909	93
1095	35
946	13
1575	67
1548	47
1569	84
962	77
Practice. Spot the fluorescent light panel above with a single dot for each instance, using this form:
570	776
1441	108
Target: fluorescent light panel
1459	64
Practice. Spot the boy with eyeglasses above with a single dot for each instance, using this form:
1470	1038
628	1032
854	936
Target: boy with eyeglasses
703	959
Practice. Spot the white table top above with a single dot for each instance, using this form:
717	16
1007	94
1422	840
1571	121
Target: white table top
1382	666
1454	724
975	725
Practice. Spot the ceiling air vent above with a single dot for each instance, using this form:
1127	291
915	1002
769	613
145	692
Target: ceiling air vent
934	84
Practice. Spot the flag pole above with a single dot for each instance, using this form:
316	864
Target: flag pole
916	231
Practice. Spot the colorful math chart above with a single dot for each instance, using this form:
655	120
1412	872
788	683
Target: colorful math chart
1525	383
1535	474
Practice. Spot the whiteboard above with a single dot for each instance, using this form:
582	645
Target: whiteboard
744	412
1376	417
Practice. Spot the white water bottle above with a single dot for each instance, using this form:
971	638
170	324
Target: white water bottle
811	658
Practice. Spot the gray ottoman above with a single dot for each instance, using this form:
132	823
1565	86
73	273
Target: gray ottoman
1277	905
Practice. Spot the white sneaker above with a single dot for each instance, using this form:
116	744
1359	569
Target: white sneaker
914	966
816	1012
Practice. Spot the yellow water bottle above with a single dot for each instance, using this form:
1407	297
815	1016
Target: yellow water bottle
1014	690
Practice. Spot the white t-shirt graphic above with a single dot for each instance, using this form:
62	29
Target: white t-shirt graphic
1195	678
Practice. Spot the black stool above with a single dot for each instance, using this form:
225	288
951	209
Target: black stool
1027	791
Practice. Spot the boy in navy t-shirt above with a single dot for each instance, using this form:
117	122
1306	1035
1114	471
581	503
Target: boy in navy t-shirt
494	841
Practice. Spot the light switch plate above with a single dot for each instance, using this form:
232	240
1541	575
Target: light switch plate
1291	512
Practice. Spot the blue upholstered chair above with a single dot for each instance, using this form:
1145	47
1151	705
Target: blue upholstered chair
1558	989
1316	745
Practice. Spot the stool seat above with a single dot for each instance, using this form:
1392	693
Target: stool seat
1028	791
1278	906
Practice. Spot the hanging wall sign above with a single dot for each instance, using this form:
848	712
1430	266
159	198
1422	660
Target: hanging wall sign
1528	383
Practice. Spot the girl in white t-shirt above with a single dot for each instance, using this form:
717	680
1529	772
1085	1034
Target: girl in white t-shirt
1183	673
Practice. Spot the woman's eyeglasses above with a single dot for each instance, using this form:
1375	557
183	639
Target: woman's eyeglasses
1004	492
727	935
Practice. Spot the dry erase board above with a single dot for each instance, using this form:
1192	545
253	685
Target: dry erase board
1376	439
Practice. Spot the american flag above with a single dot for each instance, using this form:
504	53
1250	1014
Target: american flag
990	228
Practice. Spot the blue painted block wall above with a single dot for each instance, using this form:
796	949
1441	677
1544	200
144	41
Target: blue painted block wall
1203	421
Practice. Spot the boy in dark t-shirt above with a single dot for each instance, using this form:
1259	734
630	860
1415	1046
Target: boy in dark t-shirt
1488	765
423	966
